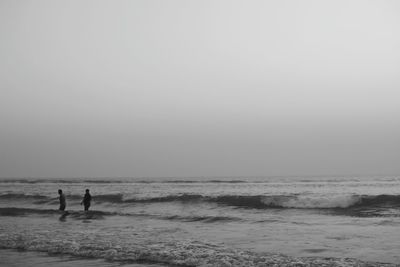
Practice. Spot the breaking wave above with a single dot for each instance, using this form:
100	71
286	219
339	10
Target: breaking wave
295	201
188	253
184	253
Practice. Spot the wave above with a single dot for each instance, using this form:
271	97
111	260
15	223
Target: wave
264	202
204	219
169	198
95	214
12	211
65	181
104	198
392	200
294	201
310	201
194	180
126	180
201	181
41	199
185	253
15	196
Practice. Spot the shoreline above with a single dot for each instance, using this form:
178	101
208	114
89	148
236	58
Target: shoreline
19	258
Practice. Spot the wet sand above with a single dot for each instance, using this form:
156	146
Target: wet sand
16	258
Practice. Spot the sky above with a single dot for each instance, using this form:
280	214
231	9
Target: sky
150	88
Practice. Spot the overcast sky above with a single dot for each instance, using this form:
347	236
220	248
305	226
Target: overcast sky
199	88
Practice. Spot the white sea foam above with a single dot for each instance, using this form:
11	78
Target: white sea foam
186	253
314	201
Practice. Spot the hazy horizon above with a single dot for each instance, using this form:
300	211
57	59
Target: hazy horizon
202	88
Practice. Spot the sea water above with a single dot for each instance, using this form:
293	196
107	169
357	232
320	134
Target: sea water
204	221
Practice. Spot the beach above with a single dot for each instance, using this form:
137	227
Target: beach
229	221
15	258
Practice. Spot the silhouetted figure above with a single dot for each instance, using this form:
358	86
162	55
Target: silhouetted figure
86	200
63	203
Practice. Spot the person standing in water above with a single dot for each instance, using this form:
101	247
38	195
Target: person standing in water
63	203
87	198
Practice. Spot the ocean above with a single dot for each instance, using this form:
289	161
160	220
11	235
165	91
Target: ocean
199	221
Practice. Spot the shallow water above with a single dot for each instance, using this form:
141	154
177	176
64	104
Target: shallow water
197	221
18	258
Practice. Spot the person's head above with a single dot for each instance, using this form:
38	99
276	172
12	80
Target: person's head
87	190
60	191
